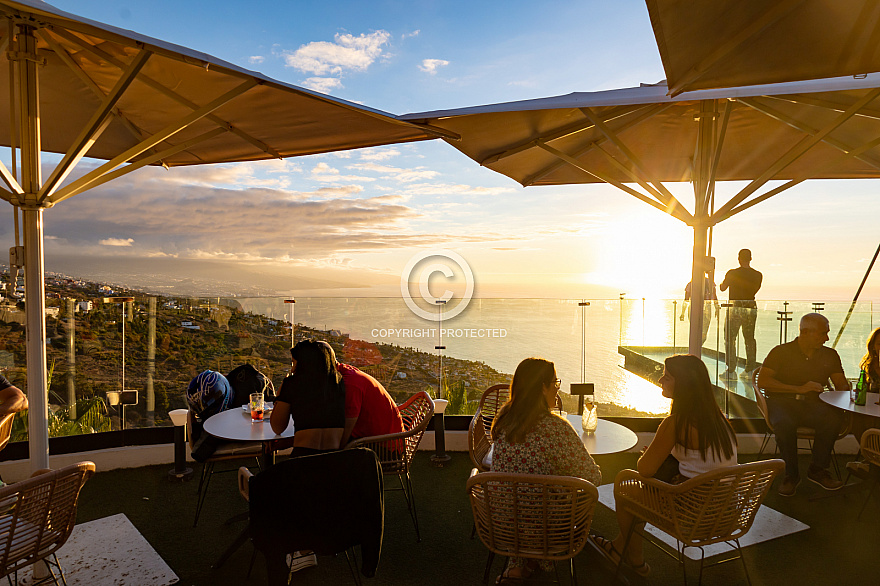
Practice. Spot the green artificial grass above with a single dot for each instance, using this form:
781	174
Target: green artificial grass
837	549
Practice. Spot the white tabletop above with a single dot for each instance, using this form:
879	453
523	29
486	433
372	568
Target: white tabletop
235	425
609	437
841	400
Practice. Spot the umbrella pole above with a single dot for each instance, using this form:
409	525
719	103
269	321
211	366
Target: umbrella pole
35	307
32	219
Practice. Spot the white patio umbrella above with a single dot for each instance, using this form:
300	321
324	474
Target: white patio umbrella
732	43
639	138
84	89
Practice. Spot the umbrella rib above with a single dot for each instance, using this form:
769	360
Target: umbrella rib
664	195
94	127
10	180
633	175
567	130
84	181
645	113
828	163
755	26
820	103
796	152
62	53
150	82
797	125
10	197
676	211
119	172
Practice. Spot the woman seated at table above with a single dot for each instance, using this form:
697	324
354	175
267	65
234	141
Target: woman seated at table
860	422
314	395
529	439
695	438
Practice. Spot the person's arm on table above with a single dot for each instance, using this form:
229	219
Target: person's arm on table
838	379
12	400
656	453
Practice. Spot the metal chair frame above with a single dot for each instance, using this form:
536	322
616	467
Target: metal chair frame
396	450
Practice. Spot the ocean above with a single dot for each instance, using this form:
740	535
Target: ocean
581	340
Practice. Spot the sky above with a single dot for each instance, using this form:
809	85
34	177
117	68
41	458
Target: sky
348	223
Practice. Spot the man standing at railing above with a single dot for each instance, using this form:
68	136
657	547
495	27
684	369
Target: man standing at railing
709	297
744	282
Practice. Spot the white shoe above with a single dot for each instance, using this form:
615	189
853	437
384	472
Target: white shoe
297	561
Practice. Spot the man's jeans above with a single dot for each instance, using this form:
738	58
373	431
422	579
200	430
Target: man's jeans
741	318
787	414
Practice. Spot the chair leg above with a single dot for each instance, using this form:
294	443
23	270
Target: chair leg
743	561
406	484
489	561
207	471
351	558
573	572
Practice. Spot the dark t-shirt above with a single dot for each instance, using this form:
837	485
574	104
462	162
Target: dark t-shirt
744	282
792	367
310	410
4	384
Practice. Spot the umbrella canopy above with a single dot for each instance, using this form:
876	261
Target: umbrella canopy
730	43
81	88
639	138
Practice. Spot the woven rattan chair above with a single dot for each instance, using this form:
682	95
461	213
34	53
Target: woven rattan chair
396	450
870	450
226	451
714	507
479	440
36	518
803	433
532	516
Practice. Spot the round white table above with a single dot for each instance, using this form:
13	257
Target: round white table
841	400
235	425
609	437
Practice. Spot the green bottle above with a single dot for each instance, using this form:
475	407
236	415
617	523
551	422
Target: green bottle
862	389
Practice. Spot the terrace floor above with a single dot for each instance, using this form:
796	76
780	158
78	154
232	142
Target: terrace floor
837	549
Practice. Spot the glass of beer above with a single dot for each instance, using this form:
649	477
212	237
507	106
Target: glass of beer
257	405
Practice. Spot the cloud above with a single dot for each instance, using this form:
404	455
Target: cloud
396	173
324	173
256	59
325	85
378	154
430	66
116	242
415	33
346	53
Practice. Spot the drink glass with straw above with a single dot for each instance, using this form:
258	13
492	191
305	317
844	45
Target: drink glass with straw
257	404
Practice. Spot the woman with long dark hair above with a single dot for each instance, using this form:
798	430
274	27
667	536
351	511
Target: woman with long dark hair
695	438
314	395
860	423
529	439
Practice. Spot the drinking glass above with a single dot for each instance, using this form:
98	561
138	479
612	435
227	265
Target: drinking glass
257	405
590	418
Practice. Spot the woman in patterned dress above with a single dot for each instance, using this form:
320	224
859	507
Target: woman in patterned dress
529	439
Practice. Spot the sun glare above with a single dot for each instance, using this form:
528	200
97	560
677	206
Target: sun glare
648	256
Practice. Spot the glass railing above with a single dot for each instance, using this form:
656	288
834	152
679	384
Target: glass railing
618	345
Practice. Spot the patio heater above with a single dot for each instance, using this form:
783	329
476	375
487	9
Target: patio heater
123	396
440	456
180	472
292	303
